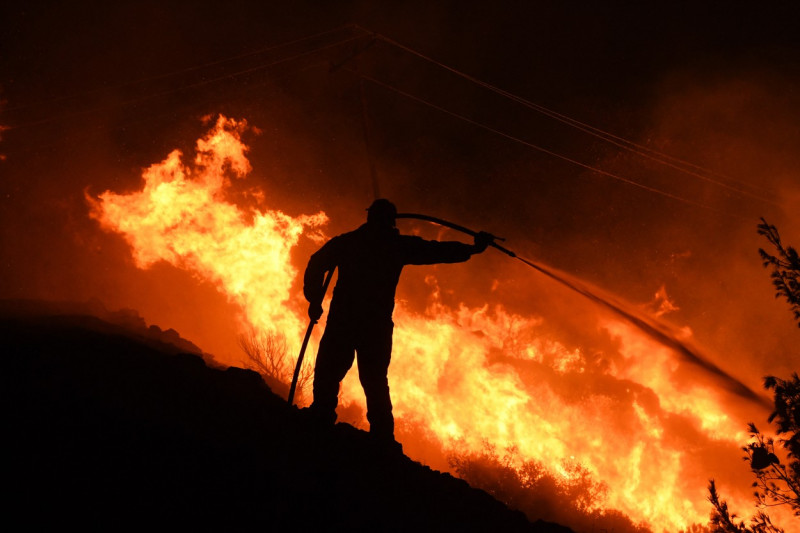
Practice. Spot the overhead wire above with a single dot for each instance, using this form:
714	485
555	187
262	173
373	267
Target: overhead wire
149	96
544	150
649	153
621	142
186	70
592	130
153	116
150	116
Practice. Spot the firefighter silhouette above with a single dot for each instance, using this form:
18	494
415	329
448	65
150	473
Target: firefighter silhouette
369	260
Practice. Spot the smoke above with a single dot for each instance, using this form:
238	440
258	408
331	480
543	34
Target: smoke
740	125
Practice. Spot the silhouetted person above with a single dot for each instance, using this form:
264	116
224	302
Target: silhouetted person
369	260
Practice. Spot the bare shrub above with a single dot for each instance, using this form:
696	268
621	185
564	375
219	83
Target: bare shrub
267	354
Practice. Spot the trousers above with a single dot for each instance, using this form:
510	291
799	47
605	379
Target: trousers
372	342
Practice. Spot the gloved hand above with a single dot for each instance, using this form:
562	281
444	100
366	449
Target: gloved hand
314	311
482	241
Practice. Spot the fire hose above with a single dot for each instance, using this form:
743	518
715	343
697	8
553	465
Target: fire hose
306	338
652	328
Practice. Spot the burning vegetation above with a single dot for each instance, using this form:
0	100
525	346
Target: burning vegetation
625	429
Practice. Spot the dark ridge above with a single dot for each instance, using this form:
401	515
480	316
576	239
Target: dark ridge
124	321
112	431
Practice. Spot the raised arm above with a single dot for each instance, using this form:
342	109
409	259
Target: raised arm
419	251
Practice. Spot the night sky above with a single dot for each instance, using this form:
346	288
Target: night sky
94	92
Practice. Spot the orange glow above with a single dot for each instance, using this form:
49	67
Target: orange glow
181	216
470	375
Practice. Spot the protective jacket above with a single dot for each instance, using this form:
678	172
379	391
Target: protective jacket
370	260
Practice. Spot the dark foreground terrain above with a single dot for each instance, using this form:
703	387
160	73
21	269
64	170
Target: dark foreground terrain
113	428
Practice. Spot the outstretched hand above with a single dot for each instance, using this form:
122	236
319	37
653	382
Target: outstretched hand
315	311
482	241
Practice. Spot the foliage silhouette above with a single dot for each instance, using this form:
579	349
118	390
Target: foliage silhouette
723	520
785	268
777	483
267	354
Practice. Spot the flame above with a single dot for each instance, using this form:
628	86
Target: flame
470	375
662	304
181	216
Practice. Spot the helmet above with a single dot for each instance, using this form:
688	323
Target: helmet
382	212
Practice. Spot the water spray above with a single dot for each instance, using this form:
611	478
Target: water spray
655	330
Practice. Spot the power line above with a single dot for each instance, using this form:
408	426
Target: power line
153	116
186	70
648	153
597	132
626	144
545	150
149	96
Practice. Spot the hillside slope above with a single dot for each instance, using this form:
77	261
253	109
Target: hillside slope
110	430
